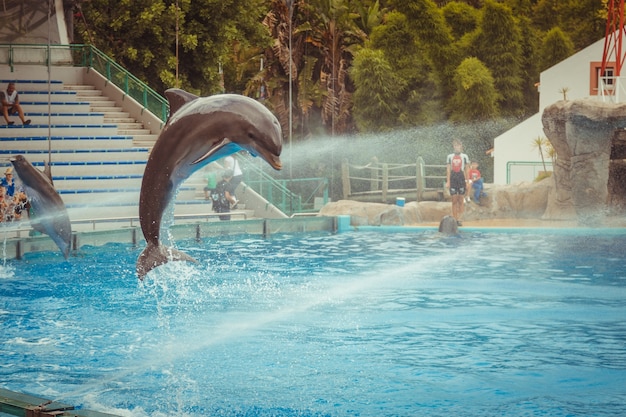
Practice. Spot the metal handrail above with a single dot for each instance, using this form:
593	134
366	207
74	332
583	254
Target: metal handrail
279	191
535	165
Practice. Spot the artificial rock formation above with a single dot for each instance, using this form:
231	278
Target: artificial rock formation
582	132
518	201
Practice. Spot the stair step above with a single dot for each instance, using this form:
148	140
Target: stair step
130	125
144	141
115	114
98	102
134	132
74	87
119	120
89	93
105	109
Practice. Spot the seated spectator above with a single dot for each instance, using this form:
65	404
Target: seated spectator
8	182
11	105
476	181
21	205
4	205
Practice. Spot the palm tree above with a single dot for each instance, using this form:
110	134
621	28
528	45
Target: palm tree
334	32
540	143
280	60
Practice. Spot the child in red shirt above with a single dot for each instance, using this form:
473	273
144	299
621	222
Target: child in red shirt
476	181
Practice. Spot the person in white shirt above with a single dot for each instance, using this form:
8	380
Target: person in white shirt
11	105
230	162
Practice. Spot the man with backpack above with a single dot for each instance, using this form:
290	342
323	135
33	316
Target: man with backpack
224	195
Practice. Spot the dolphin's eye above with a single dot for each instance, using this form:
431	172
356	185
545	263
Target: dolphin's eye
251	135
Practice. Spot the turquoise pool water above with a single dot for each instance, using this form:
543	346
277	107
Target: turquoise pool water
353	324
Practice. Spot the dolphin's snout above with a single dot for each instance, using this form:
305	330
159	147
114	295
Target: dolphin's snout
276	163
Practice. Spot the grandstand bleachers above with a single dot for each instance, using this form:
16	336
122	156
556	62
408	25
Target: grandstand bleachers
97	151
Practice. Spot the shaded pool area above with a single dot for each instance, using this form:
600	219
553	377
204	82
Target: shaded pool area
362	323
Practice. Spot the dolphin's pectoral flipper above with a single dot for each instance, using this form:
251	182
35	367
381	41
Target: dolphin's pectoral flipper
153	256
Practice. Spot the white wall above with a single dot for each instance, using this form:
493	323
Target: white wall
573	73
515	159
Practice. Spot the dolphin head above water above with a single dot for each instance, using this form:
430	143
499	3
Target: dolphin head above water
200	130
449	226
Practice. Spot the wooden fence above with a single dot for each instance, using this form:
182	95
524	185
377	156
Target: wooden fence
384	182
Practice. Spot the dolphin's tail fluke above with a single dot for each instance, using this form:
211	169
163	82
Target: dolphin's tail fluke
153	256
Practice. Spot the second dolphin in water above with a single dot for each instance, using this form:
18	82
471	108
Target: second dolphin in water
200	130
49	214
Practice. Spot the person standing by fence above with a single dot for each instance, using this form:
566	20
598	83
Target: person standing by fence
457	175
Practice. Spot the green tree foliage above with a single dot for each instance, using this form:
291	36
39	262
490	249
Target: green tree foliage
370	15
335	34
141	36
545	14
435	35
555	47
476	97
376	104
498	45
461	17
520	7
185	43
409	63
530	66
584	21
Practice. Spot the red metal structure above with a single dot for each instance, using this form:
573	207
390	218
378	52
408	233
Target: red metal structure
613	55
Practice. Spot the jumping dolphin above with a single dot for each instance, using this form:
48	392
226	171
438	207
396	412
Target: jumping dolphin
448	226
49	214
200	130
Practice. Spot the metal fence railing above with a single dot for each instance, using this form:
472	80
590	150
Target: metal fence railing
291	196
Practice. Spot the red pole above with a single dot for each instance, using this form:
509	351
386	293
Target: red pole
613	55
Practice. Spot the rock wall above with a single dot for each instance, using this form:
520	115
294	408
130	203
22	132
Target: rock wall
581	132
522	201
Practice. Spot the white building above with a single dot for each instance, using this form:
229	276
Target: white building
515	157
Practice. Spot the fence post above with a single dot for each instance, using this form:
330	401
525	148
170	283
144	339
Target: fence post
345	178
385	182
374	185
419	177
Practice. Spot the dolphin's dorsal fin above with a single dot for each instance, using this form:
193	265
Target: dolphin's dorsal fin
177	98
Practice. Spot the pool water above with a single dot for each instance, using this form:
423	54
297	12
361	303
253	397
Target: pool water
353	324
